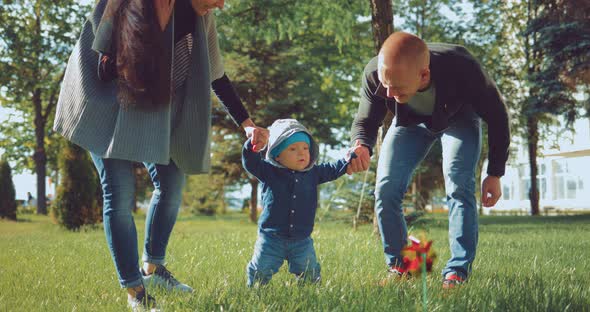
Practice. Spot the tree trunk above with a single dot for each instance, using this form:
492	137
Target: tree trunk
381	21
420	204
533	138
39	156
382	25
415	195
532	56
254	200
134	205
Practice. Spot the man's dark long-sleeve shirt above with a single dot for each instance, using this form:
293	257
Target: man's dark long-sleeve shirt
460	80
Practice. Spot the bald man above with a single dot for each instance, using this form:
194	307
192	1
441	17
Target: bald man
436	91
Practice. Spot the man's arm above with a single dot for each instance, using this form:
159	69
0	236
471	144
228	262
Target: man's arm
371	110
369	117
489	105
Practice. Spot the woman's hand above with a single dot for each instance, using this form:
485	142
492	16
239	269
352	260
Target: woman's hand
258	135
202	7
164	10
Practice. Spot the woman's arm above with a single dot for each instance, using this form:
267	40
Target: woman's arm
225	91
229	98
233	105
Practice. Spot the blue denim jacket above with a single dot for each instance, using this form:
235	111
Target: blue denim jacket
289	198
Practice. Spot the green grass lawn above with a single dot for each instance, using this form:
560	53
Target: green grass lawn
523	264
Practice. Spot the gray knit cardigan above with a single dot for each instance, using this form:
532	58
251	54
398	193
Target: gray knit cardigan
89	114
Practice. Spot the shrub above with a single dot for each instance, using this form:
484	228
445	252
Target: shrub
76	202
7	193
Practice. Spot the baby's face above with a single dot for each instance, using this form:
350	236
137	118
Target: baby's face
295	156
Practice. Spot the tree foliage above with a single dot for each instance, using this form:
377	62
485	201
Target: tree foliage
293	60
562	41
37	37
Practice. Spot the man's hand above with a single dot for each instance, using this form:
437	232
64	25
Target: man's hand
491	190
362	161
258	135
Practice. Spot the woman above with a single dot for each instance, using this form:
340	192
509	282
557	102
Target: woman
137	89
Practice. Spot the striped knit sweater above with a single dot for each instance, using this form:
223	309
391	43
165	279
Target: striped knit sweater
89	115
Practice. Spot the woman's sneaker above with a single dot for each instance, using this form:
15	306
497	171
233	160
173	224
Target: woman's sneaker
452	279
161	277
142	302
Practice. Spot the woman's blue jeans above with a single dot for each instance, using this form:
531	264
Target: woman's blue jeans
118	187
402	150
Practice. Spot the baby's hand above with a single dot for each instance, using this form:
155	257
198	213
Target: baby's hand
350	155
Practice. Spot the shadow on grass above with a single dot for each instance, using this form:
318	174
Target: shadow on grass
230	216
23	220
530	220
440	220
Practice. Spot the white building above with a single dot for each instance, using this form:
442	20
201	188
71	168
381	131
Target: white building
563	174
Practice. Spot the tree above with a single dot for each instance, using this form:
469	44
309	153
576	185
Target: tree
381	21
7	193
204	194
564	36
76	203
429	20
557	43
514	45
143	182
294	60
37	37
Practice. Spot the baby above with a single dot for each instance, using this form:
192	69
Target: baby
289	179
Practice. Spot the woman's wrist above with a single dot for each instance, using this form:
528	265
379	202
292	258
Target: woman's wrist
247	123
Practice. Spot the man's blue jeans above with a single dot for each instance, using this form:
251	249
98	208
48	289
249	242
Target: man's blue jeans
118	187
271	251
402	150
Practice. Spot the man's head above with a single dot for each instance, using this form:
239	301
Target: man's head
293	152
403	66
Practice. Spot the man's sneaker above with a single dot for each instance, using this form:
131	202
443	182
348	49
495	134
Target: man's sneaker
452	279
161	277
398	271
394	273
142	302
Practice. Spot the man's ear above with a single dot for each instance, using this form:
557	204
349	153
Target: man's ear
424	74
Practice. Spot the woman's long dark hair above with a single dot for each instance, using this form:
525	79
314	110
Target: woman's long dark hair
144	81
